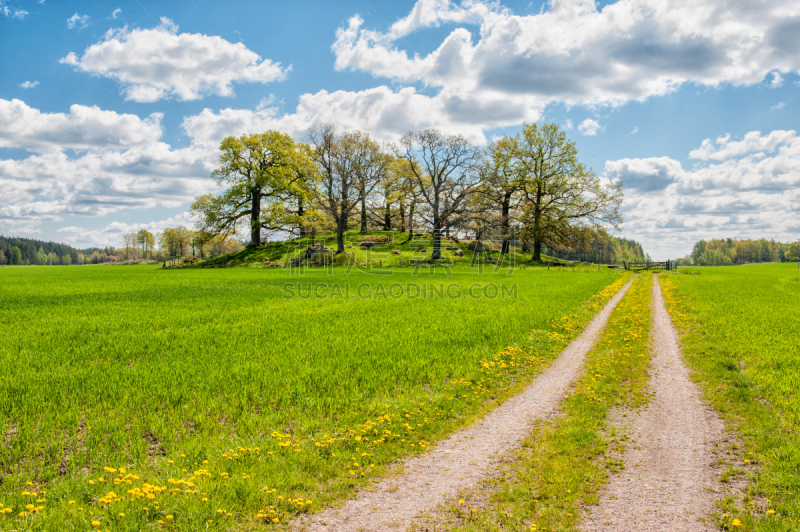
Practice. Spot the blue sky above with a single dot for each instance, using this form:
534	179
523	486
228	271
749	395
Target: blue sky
111	112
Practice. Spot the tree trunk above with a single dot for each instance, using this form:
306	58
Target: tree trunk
339	237
363	215
505	223
255	215
341	225
387	217
402	217
537	218
437	239
300	212
537	249
410	223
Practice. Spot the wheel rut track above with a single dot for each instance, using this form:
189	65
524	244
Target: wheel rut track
670	476
460	461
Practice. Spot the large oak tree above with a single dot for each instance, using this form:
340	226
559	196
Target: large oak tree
258	169
563	198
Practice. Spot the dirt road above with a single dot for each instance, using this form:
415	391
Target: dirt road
466	457
670	467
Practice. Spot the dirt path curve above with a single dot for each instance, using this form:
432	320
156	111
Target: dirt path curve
665	485
461	460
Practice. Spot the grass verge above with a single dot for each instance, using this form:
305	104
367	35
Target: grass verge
736	327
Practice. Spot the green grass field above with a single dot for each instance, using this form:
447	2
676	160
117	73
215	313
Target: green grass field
741	333
134	397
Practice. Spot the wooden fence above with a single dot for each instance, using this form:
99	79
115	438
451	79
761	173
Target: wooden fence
639	266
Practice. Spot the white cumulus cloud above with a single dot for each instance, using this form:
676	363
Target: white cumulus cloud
384	113
84	128
153	64
116	163
81	236
578	53
28	84
78	21
589	127
752	143
751	190
433	13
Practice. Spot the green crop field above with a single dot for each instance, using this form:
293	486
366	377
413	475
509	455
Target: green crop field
741	333
135	397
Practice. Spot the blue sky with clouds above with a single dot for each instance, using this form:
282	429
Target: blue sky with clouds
111	112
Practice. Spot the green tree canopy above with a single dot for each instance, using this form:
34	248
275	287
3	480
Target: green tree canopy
145	239
562	197
257	169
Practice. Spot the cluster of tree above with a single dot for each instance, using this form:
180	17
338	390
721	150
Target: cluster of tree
528	189
605	249
30	251
728	251
175	242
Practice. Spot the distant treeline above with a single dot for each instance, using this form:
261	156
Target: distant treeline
728	251
25	251
604	249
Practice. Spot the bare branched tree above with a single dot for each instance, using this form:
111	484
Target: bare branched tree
446	175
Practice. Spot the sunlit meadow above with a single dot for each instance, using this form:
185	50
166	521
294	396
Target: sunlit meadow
138	397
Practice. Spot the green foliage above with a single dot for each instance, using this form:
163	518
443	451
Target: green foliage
727	251
260	171
175	375
603	248
740	330
564	199
30	251
791	253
